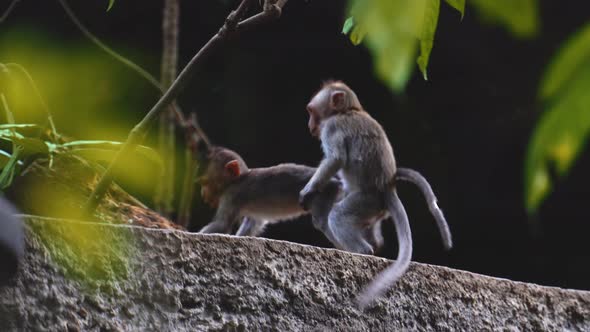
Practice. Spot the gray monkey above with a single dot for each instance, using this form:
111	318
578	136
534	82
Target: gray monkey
356	147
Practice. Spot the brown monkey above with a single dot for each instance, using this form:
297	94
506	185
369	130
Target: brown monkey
356	147
253	197
259	195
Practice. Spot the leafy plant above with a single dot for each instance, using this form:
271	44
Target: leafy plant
394	30
520	17
8	168
234	22
28	144
563	129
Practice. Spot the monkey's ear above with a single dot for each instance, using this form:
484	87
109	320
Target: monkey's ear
233	168
337	99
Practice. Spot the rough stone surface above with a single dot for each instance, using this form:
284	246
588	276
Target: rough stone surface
180	281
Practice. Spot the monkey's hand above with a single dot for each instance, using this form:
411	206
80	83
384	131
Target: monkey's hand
305	197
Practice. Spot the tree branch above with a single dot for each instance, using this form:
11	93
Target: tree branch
54	134
164	195
191	167
138	132
8	10
142	72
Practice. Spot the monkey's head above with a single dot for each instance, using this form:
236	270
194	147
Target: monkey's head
334	97
222	167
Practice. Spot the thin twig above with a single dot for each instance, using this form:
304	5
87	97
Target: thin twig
188	189
191	170
271	12
8	10
37	93
138	132
177	113
164	194
195	129
142	72
126	62
7	173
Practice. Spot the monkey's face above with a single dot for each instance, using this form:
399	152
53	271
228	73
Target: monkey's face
327	102
313	123
209	192
219	175
317	109
212	184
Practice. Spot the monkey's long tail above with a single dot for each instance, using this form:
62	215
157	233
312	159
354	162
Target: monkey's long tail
410	175
404	238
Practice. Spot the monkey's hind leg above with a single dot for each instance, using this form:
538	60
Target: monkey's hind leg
251	227
350	218
321	206
374	235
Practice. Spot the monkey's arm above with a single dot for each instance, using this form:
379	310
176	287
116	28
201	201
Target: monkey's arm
251	227
335	156
327	169
225	217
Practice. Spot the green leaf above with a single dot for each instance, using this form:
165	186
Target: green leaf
7	174
8	134
564	65
106	150
520	17
348	25
429	23
111	3
356	31
18	126
564	128
390	30
31	146
4	158
459	5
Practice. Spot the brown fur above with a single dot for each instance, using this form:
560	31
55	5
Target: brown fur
258	196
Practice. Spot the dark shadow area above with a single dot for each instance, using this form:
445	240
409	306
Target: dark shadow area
466	129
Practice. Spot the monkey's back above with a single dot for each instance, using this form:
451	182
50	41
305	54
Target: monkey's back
368	161
271	193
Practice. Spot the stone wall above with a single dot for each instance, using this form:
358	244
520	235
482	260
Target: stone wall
136	279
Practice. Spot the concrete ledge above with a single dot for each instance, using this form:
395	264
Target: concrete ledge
180	281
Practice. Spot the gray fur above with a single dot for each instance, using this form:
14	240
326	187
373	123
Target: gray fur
410	175
251	227
394	272
357	148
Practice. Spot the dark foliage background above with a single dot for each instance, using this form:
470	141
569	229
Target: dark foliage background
466	129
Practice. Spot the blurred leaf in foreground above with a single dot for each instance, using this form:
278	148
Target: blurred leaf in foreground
520	17
429	23
459	5
563	129
392	29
